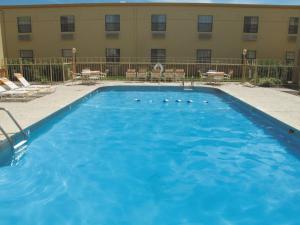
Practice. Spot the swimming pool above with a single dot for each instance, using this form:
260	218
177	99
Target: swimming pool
111	159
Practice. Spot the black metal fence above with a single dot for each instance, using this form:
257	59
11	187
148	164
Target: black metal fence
59	69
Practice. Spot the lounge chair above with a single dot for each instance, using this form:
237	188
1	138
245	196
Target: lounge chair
131	74
15	95
155	75
179	74
169	74
142	74
13	87
26	84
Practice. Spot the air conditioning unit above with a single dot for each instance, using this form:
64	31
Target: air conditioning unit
202	35
24	37
292	38
112	34
250	37
67	36
158	34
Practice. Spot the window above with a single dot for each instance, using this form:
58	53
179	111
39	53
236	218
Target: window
24	24
158	55
67	53
205	23
67	23
112	23
203	55
293	25
250	24
26	55
251	54
112	55
158	22
290	57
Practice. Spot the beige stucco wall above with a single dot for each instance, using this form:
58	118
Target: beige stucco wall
135	38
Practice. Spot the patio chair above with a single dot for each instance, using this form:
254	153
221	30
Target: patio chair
142	74
203	76
179	74
26	84
155	75
131	74
169	74
228	75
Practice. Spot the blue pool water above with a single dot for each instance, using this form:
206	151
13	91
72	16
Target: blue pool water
111	160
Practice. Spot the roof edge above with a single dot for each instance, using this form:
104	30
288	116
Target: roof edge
149	4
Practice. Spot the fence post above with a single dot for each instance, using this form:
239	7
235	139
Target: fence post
187	70
21	66
63	69
51	74
255	74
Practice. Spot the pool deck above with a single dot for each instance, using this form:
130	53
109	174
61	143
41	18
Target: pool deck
276	103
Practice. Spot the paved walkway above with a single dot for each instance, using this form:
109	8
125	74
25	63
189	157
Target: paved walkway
281	105
278	104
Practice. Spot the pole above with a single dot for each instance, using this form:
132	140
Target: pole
74	50
244	64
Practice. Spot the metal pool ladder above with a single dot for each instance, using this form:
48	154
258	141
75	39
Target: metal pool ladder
9	139
192	84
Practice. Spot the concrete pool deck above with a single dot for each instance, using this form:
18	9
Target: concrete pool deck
276	103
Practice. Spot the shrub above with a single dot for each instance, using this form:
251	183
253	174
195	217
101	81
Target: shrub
267	82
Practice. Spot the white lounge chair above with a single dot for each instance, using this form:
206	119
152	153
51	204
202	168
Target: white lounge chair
169	74
142	74
131	74
26	84
155	75
13	87
15	95
179	74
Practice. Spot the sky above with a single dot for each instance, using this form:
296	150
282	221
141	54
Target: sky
26	2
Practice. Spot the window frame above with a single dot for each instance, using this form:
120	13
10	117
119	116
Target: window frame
203	59
114	58
249	27
112	26
67	27
25	27
209	29
293	28
158	26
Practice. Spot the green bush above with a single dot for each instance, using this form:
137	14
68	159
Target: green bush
267	82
